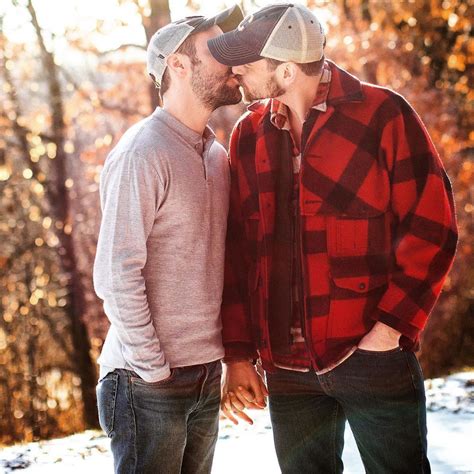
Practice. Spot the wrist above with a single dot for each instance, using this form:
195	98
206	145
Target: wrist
383	328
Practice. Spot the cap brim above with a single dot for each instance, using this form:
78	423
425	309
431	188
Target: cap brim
227	20
228	49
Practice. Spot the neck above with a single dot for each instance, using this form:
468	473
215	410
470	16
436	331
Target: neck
299	99
187	109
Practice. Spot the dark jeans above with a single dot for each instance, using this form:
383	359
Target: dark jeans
382	396
165	427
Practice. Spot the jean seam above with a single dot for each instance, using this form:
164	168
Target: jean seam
133	421
114	404
412	376
202	381
336	410
111	426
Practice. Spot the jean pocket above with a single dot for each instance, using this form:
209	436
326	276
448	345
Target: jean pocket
136	380
106	400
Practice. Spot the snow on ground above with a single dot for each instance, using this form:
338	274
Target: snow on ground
250	449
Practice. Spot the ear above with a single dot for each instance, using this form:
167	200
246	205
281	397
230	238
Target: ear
177	64
286	73
289	72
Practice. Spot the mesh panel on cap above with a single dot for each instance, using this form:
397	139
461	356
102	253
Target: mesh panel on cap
315	39
295	38
163	43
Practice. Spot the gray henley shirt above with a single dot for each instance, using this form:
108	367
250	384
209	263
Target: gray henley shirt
164	193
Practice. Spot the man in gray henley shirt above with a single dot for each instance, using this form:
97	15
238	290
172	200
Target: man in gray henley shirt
160	257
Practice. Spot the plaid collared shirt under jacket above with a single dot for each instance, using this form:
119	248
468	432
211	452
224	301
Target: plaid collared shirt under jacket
378	229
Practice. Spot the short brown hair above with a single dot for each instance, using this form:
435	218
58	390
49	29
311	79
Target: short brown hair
310	69
189	49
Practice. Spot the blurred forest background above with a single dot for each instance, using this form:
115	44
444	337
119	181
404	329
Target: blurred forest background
73	79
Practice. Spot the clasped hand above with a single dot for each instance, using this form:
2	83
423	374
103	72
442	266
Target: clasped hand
243	388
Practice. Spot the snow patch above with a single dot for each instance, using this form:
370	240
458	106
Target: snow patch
249	449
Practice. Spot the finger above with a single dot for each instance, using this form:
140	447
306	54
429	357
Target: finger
248	405
259	394
263	388
245	396
237	404
236	409
254	406
243	401
226	403
228	414
243	416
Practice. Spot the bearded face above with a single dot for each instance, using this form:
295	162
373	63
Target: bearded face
269	89
258	81
214	89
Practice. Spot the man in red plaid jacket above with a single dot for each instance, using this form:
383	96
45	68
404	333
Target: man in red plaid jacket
341	232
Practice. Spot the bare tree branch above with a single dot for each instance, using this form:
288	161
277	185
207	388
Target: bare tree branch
106	105
122	47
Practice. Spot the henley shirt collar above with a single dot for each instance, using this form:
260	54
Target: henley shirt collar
194	139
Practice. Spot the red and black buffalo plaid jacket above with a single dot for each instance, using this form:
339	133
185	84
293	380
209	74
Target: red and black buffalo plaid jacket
378	230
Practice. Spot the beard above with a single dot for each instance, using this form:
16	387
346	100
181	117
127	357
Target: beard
270	90
212	89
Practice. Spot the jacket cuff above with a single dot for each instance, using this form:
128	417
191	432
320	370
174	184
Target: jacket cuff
405	328
235	351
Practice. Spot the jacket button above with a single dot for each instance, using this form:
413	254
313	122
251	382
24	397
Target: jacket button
362	286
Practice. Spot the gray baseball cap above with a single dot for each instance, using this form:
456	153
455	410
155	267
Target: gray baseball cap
285	31
169	38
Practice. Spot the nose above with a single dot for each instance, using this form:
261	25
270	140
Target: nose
238	70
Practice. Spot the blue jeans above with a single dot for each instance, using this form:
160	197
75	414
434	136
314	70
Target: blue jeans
382	396
165	427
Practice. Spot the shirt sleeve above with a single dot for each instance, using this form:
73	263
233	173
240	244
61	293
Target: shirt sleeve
425	230
235	313
130	190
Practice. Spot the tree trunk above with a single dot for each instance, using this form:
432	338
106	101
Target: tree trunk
60	209
31	372
160	16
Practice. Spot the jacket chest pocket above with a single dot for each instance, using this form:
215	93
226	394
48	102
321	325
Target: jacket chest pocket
358	235
359	262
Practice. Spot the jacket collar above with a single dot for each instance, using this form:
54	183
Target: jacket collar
344	87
